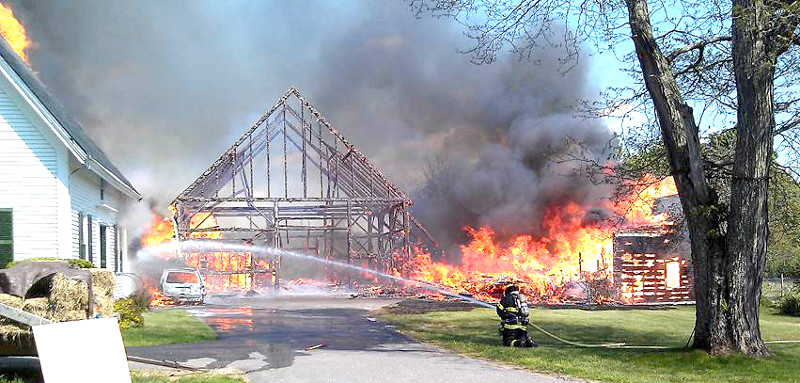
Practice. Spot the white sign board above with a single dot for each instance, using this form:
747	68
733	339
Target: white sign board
82	351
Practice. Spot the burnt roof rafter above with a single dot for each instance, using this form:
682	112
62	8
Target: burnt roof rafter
334	188
355	175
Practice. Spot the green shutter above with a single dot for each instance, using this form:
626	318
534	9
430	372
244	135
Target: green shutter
6	237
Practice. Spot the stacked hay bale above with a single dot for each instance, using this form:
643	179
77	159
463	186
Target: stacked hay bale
103	292
68	300
9	330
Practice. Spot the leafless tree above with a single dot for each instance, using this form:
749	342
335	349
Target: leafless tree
697	66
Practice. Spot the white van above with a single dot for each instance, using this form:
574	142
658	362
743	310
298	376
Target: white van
183	285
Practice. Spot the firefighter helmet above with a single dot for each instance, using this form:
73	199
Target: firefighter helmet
510	289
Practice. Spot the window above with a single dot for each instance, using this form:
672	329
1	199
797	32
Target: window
103	245
89	238
6	236
117	253
177	277
81	236
672	277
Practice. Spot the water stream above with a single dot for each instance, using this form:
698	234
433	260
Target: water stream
197	246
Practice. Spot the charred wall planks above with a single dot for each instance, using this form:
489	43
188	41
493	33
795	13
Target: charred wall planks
653	266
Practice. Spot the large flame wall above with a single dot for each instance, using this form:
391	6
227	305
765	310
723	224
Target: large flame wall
570	250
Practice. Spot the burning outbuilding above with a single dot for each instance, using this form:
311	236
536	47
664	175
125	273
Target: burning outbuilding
295	183
652	265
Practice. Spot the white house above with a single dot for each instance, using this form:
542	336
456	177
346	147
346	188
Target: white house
60	195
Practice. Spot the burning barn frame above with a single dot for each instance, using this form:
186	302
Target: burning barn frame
294	182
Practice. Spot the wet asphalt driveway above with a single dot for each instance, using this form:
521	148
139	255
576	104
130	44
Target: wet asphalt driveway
267	339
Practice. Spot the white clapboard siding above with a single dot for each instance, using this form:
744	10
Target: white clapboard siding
48	178
28	182
85	195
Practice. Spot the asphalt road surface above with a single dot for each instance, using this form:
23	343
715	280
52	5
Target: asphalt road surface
267	340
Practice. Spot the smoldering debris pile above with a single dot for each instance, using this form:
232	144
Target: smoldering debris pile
54	291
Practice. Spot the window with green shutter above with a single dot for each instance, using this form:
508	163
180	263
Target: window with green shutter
6	236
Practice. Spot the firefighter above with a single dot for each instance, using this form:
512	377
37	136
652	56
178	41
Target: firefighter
513	312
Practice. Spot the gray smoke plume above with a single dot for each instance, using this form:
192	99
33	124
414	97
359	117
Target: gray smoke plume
490	140
165	87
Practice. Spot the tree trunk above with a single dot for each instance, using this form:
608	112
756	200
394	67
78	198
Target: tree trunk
754	66
717	328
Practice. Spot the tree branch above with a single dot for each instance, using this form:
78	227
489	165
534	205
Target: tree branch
698	45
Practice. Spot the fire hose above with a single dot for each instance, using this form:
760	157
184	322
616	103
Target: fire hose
447	291
600	345
623	345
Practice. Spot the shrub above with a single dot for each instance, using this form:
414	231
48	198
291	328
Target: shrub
81	263
76	263
141	300
789	304
130	313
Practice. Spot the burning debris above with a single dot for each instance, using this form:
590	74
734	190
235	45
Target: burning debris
577	262
573	261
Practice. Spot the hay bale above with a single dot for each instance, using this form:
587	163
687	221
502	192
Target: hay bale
16	340
103	292
37	306
69	299
11	300
10	332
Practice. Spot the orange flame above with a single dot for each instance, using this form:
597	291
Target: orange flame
569	250
14	32
161	231
223	271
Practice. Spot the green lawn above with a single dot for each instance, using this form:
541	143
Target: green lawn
474	333
168	326
194	378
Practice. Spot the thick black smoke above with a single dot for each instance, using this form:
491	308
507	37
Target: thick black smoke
165	87
486	144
